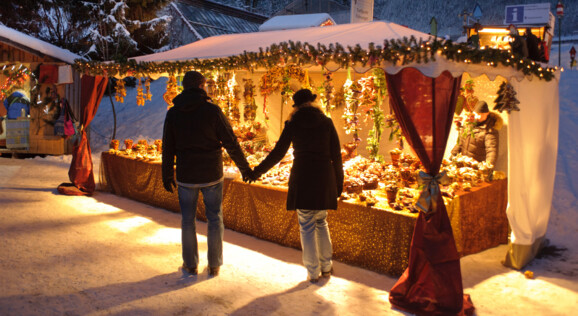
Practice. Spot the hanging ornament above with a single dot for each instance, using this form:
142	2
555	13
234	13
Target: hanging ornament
140	101
120	91
325	92
250	109
148	94
369	104
172	91
233	99
350	113
506	99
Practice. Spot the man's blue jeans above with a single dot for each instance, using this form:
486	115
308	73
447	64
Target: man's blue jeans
315	242
213	198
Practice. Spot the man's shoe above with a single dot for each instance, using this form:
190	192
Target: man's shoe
327	274
214	271
192	271
313	280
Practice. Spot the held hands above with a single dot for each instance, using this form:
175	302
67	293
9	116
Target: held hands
250	176
169	184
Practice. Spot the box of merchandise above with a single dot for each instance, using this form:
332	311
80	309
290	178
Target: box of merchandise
18	134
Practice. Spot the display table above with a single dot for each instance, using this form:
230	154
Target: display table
367	237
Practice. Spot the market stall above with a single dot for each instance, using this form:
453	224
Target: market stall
363	72
374	237
37	86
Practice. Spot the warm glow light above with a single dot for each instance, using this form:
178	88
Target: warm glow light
494	30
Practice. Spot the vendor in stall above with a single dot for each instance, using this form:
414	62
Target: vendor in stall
479	139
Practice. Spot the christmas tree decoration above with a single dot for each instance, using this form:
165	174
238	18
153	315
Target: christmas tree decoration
506	99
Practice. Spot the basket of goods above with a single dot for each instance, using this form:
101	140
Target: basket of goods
395	155
151	150
114	144
391	190
128	144
353	185
159	144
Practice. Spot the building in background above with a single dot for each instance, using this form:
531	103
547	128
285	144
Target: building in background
194	20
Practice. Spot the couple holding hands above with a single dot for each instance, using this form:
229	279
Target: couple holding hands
195	131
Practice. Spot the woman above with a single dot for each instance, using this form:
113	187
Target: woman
316	179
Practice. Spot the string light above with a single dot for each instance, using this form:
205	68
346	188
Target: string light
398	52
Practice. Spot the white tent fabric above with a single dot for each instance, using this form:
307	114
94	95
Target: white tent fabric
236	44
532	136
533	147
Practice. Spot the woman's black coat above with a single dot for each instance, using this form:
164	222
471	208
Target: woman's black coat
316	179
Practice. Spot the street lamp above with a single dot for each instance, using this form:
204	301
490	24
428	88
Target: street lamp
560	14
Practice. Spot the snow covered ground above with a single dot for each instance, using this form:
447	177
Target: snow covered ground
107	255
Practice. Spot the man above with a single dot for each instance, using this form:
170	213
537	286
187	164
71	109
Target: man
534	46
480	140
195	131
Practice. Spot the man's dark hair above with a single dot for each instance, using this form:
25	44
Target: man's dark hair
193	79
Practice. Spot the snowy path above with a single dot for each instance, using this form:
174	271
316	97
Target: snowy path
106	255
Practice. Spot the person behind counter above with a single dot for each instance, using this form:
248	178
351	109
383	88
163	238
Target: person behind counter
480	141
316	179
195	130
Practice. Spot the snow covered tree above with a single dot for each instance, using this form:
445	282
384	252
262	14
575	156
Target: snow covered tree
64	23
152	31
118	32
110	33
20	15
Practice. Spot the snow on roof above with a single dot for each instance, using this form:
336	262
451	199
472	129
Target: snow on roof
37	45
236	44
287	22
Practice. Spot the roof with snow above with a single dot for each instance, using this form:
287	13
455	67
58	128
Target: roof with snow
210	19
297	21
236	44
35	46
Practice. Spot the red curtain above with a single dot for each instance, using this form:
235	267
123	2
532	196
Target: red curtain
80	173
432	283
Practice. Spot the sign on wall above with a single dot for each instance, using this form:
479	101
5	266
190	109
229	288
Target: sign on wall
361	11
537	13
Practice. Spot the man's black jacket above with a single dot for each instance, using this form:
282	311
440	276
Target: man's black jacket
195	130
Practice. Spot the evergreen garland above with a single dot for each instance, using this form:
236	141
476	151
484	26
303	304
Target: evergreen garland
398	52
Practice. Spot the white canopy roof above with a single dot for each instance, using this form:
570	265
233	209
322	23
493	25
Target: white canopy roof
236	44
38	45
345	34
